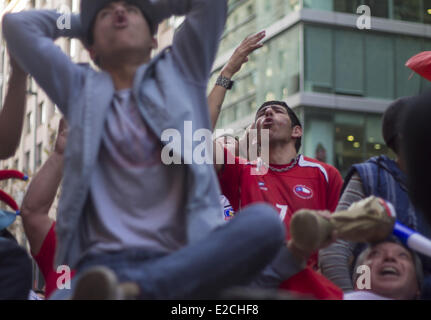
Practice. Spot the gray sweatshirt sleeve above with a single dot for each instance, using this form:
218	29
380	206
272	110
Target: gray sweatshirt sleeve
334	260
284	266
196	42
30	39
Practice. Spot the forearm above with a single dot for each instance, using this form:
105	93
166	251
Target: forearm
25	30
12	115
335	261
354	192
163	9
215	103
30	39
217	96
43	187
196	42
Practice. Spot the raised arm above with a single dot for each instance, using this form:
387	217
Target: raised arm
195	44
238	58
12	115
30	39
41	194
335	261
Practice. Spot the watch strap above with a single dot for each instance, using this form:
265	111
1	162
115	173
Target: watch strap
224	82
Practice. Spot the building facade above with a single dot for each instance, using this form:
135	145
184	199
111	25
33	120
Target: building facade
337	77
42	116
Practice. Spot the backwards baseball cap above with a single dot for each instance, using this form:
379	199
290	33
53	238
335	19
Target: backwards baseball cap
90	8
293	117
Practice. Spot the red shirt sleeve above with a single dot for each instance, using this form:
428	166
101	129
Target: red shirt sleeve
229	178
45	261
334	188
45	257
311	283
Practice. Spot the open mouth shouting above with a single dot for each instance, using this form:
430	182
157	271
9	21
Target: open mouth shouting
389	271
120	21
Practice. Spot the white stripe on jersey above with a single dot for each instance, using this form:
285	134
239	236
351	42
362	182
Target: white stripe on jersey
304	163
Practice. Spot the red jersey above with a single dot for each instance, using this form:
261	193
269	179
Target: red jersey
45	261
309	282
309	184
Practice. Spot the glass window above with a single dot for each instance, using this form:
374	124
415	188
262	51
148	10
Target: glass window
41	117
426	11
319	4
379	8
288	53
405	48
240	23
349	66
343	138
270	11
318	59
242	110
408	10
379	66
319	138
39	155
229	115
349	140
252	106
27	162
375	145
29	122
279	65
347	6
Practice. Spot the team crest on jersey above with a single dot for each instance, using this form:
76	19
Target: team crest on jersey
303	192
228	213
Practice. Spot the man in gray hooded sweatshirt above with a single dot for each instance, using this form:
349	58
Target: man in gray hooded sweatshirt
153	224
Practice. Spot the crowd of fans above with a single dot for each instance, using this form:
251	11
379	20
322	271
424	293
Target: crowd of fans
131	227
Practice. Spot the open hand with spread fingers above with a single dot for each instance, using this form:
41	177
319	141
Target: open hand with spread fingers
240	55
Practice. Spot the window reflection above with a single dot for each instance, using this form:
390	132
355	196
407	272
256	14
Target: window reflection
407	10
345	137
411	10
379	70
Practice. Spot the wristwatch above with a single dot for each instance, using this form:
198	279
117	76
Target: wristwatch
224	82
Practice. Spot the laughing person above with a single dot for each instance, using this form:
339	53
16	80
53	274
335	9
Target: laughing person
395	273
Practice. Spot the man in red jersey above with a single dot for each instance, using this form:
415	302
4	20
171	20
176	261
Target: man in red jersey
292	181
